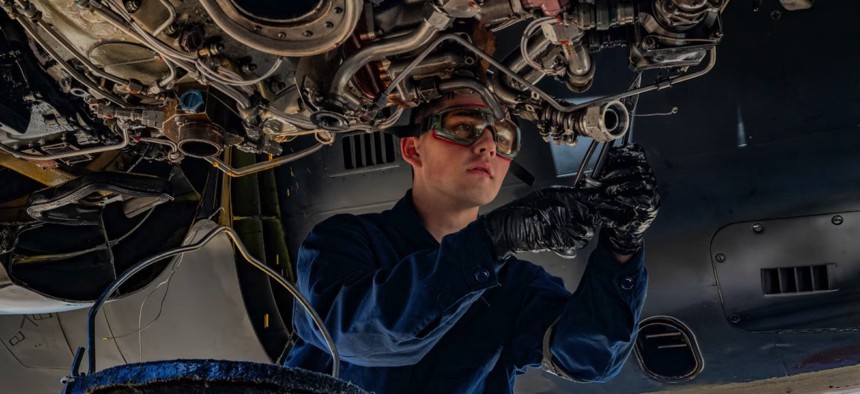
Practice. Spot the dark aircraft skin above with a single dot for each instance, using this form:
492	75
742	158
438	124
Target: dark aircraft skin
754	260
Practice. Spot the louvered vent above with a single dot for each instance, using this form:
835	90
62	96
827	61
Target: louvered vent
667	350
368	149
796	280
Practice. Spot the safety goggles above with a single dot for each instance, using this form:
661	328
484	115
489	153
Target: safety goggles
464	125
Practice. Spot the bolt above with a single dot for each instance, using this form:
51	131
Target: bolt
735	319
258	28
721	258
329	25
308	33
282	35
718	34
338	10
757	228
837	220
776	15
649	43
249	68
132	6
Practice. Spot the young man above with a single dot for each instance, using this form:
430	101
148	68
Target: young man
427	298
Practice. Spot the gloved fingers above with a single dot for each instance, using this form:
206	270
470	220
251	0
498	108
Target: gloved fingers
627	157
619	174
631	191
632	153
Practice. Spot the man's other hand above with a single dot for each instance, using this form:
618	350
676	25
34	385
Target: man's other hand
554	219
627	200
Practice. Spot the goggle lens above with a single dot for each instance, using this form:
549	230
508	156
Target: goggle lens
465	125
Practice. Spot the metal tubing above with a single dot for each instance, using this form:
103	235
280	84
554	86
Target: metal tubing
546	97
117	22
578	59
266	165
712	54
376	51
31	30
501	88
602	157
234	238
482	90
173	147
580	173
81	58
63	155
170	18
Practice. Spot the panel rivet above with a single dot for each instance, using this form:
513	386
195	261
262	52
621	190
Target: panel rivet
837	219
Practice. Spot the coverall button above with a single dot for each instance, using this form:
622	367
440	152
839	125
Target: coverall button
482	275
627	283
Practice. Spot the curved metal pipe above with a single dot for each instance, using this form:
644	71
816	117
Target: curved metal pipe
173	147
500	83
170	18
234	238
421	36
578	59
460	83
266	165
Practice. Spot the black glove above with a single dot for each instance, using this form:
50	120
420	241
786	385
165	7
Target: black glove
549	219
626	200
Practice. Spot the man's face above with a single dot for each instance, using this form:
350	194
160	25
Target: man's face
470	176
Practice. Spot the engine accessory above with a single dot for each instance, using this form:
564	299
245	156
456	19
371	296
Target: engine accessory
603	123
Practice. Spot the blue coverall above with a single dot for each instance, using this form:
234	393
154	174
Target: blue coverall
411	315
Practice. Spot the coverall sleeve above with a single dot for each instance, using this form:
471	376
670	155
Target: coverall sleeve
587	336
381	311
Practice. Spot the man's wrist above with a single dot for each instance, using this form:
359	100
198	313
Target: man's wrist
622	258
620	244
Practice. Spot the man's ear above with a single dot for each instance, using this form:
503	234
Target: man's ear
409	151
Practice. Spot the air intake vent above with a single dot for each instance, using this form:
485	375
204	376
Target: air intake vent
667	350
797	280
368	149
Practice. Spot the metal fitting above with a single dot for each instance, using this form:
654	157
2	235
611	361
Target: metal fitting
605	122
210	50
461	8
437	17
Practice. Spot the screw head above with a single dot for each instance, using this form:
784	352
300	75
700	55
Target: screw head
329	25
338	10
282	35
837	219
720	257
757	228
308	33
649	42
735	319
776	15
